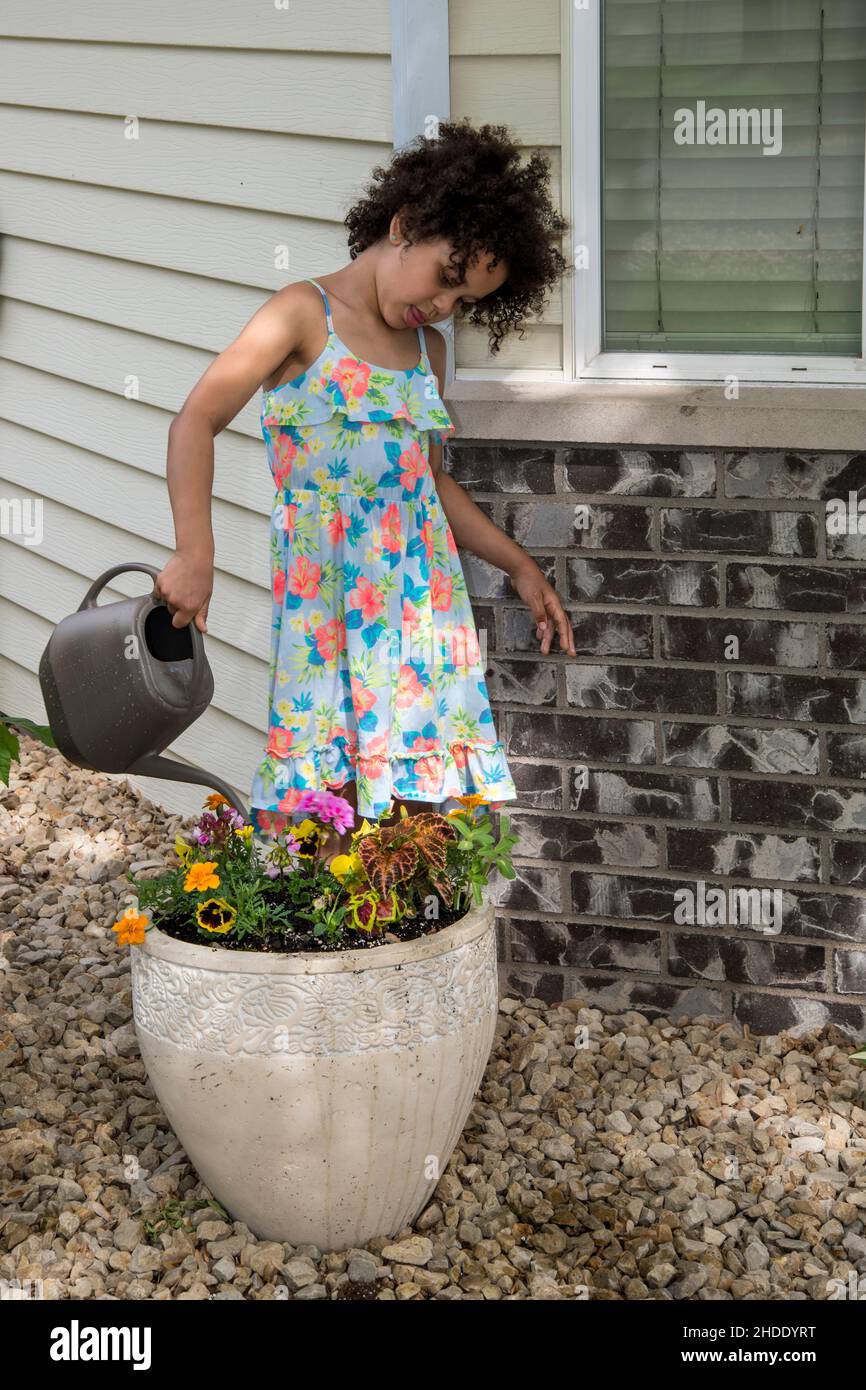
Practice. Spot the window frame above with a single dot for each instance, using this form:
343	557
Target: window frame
582	34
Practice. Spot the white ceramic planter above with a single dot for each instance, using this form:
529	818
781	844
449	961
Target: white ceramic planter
319	1095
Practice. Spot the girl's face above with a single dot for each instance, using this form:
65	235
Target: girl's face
419	286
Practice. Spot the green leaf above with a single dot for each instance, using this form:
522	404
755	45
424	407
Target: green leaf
40	731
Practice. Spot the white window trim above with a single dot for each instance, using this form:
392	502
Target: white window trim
581	30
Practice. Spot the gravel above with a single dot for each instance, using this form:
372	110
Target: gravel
605	1157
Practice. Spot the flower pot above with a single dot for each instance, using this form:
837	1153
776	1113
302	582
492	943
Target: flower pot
319	1095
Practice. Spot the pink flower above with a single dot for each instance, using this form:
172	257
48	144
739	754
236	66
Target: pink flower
279	586
409	688
366	596
328	808
440	590
330	639
336	528
352	377
362	699
304	577
391	528
412	464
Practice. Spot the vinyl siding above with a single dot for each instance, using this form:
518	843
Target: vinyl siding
127	264
506	69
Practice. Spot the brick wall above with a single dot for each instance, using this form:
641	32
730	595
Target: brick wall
711	730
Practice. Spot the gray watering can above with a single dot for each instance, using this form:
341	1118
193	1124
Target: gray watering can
120	683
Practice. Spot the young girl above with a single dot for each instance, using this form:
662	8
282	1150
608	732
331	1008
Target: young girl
377	686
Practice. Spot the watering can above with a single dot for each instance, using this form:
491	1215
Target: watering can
120	683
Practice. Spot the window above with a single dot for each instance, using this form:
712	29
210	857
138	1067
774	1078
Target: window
719	217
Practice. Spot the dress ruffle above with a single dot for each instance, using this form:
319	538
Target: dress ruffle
346	388
433	775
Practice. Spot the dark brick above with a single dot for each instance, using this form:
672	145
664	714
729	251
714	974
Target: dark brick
824	699
848	862
740	749
618	994
580	738
502	467
778	1013
585	944
798	804
641	472
644	794
594	842
592	526
850	972
739	532
788	857
522	682
846	755
697	955
846	646
539	784
534	985
797	588
637	688
691	583
793	477
760	643
532	889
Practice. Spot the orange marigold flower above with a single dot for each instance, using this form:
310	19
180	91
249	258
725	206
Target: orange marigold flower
131	926
216	799
201	876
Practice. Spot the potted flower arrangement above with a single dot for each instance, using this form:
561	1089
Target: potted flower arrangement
315	1030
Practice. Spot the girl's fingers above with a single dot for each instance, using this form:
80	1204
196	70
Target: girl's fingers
563	627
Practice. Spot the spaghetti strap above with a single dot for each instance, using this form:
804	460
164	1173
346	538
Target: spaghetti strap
423	340
321	290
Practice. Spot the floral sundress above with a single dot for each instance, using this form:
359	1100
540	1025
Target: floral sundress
375	668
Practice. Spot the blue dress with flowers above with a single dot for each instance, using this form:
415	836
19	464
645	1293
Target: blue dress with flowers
375	668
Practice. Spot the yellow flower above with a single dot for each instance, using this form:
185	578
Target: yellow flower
216	915
245	832
131	926
201	876
342	866
470	801
183	851
308	835
365	828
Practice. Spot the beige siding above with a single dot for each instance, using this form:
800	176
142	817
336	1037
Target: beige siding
127	264
506	69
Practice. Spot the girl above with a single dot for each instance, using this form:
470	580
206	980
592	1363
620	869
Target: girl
377	683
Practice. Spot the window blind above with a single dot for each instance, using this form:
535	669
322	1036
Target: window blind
718	246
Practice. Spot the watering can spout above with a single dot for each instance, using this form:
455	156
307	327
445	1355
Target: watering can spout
154	765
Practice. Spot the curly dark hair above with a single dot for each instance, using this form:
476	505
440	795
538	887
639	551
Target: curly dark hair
468	185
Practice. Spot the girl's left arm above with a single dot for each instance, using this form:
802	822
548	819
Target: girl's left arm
473	530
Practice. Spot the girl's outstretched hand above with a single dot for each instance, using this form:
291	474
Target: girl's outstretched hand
185	587
543	602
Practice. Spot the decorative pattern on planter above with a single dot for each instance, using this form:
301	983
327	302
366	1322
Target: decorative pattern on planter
322	1015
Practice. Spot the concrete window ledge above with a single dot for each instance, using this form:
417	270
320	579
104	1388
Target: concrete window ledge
661	413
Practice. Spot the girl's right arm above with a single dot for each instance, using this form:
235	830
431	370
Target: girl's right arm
275	331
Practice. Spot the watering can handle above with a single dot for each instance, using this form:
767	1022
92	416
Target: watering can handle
89	600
